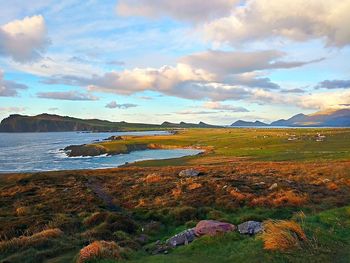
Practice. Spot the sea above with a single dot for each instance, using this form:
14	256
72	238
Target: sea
37	152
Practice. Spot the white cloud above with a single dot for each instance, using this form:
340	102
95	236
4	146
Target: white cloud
23	40
298	20
163	80
194	10
9	88
214	105
324	100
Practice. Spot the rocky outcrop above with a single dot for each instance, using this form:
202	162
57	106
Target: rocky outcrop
98	149
115	138
85	150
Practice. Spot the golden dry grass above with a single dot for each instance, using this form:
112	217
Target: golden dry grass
99	250
282	235
28	241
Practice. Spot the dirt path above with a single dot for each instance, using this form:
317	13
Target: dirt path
101	194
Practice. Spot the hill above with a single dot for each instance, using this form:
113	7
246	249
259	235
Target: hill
55	123
241	123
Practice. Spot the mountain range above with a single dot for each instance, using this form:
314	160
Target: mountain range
328	118
55	123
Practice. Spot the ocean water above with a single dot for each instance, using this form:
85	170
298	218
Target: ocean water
35	152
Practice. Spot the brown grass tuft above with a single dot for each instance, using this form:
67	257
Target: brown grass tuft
34	240
282	235
153	178
289	198
22	211
99	250
280	199
332	186
194	186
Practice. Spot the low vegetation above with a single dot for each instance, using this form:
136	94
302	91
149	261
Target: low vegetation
118	215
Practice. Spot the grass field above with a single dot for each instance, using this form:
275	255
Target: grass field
49	217
251	144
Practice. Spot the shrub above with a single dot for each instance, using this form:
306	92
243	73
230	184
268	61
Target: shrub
94	219
282	235
184	214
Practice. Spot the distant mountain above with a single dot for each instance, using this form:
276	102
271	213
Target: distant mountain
55	123
241	123
187	125
330	118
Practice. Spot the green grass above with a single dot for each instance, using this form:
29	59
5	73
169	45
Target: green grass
252	144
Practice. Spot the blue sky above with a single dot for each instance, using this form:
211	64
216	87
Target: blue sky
157	60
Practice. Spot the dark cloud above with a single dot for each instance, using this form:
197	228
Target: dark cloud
9	88
115	105
296	90
67	95
334	84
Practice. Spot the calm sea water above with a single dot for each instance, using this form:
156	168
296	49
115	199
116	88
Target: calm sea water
34	152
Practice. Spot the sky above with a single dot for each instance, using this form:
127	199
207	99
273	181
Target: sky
187	60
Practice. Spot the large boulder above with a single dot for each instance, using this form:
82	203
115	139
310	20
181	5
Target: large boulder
250	228
85	150
212	228
189	173
183	238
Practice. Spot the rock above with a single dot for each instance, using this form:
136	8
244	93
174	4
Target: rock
114	138
189	173
212	228
85	150
183	238
158	248
273	187
250	227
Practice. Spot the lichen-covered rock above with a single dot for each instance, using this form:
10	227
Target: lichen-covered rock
189	173
183	238
212	228
250	227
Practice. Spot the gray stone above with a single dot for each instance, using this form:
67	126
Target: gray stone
250	227
273	187
189	173
183	238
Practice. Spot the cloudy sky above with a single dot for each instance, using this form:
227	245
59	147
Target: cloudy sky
187	60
